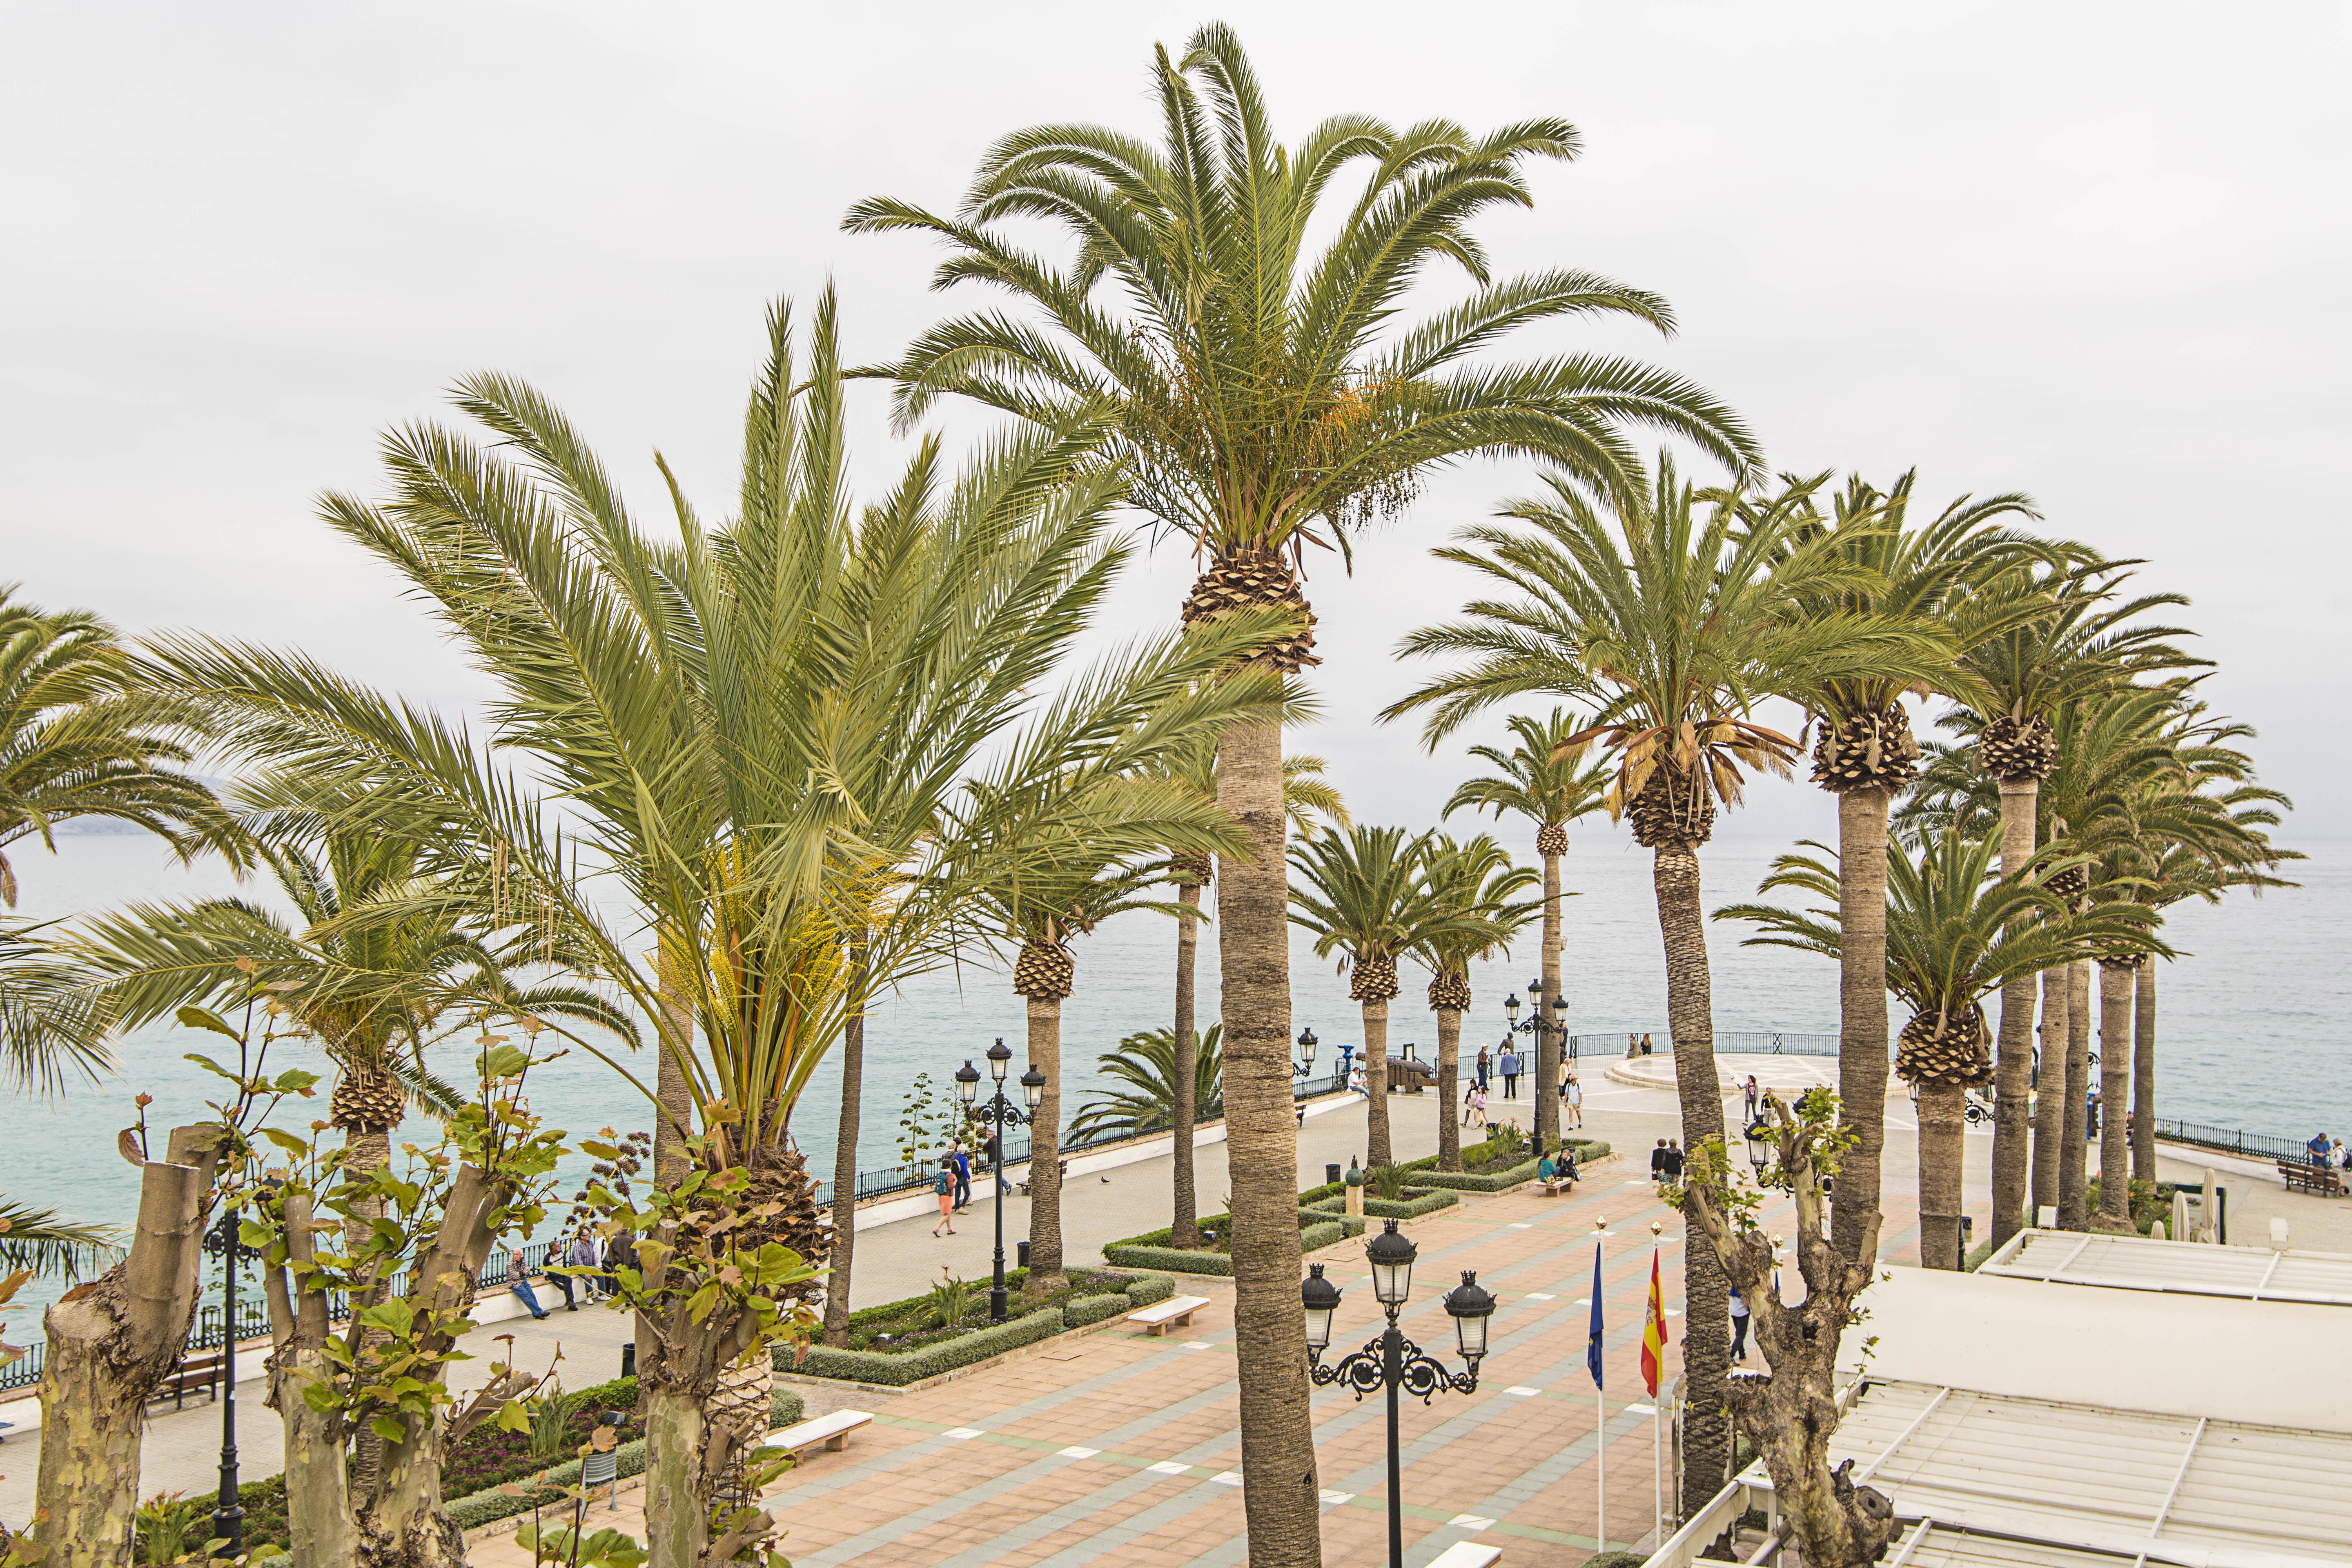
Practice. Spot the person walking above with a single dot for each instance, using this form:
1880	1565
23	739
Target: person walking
961	1159
1478	1076
943	1188
1478	1106
1573	1093
518	1281
1509	1066
1754	1096
1674	1161
994	1150
1739	1325
1658	1162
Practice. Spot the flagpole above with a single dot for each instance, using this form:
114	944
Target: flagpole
1592	1357
1601	1462
1657	1426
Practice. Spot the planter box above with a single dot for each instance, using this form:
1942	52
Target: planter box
895	1369
1417	1202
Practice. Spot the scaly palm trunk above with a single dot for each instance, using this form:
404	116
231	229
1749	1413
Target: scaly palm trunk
1185	1228
672	1098
1706	1297
2114	1094
1861	1018
2073	1147
1449	1063
1279	1491
1377	1147
844	1154
1551	1038
1045	1275
2049	1104
2012	1189
1943	1143
2143	1131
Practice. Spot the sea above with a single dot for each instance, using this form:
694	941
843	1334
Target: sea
2247	1013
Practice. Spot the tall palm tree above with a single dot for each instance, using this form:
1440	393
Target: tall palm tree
756	729
81	736
1548	782
1305	795
1473	889
1261	397
1674	625
1865	752
2033	638
1146	1063
1361	893
1954	930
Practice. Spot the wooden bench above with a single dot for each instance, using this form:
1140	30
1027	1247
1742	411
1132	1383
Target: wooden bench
2314	1179
198	1370
829	1432
1176	1312
1467	1554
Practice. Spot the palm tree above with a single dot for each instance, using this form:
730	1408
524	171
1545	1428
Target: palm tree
81	736
45	1244
1261	397
1865	754
2033	638
1078	872
757	730
1672	626
1546	781
1363	897
1954	929
1146	1062
1305	794
1474	891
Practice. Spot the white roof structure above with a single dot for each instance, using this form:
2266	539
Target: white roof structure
2145	1263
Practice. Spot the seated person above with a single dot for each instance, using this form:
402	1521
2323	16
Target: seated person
1557	1173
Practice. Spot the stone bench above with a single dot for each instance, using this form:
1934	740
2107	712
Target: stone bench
1467	1554
830	1432
1176	1312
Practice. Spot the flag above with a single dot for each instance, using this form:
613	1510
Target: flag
1654	1331
1592	1349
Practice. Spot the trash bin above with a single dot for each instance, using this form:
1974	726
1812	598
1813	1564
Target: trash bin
1024	1255
1331	1174
1967	1236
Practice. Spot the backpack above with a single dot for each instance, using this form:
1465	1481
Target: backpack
940	1185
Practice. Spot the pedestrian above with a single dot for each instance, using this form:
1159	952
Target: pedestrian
1484	1062
1645	1044
1739	1325
518	1281
1633	1046
1508	1065
1466	1093
559	1255
1754	1096
586	1254
620	1253
961	1157
2320	1150
994	1148
943	1187
1658	1162
1573	1093
1478	1106
2343	1156
1673	1160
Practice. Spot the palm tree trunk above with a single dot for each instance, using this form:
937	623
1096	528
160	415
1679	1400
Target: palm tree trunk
1376	1078
2012	1189
1551	1038
673	1101
1045	1275
1185	1228
1706	1296
1449	1065
845	1153
2049	1104
1279	1493
1861	1016
2115	1095
2143	1131
1943	1143
2074	1148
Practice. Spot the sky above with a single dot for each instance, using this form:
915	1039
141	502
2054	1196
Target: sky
2089	252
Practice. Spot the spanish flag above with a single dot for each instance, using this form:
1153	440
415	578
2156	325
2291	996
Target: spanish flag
1654	1331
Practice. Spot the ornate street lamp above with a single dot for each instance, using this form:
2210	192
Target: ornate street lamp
1001	1112
1305	1065
223	1242
1391	1360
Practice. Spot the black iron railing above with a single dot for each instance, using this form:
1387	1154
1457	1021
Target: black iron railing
2234	1140
1727	1043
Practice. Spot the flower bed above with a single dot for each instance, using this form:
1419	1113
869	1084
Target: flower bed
926	1347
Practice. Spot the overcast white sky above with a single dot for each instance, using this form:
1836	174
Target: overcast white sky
2095	253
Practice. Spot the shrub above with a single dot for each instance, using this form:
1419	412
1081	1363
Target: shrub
1140	1254
1151	1287
896	1369
1080	1310
1319	1235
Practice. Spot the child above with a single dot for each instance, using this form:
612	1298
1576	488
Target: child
943	1188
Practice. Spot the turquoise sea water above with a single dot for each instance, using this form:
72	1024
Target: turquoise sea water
2247	1022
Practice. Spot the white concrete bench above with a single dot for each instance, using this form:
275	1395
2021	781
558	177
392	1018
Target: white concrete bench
830	1432
1176	1312
1467	1554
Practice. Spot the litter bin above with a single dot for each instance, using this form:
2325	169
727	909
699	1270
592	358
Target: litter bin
1331	1174
1967	1236
1024	1255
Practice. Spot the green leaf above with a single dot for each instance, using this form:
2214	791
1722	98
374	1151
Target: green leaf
196	1017
295	1146
511	1418
294	1080
211	1066
390	1429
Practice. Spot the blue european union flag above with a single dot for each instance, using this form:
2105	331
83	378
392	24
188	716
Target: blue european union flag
1592	1349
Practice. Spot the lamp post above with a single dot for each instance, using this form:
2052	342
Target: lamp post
222	1242
1760	1147
1001	1112
1391	1360
1305	1065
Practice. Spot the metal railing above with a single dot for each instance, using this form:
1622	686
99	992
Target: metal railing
1727	1042
2233	1141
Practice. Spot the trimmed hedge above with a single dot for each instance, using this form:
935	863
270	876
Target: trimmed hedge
1086	1310
785	1409
1136	1255
913	1367
1151	1287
